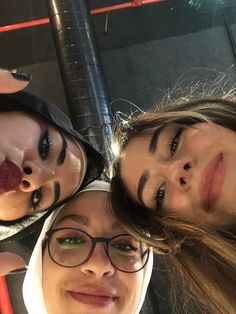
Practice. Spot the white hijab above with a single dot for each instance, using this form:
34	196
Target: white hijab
32	286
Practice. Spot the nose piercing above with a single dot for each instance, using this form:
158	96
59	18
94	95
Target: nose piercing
27	170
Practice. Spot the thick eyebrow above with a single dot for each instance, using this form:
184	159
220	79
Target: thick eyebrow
154	140
141	184
62	154
83	220
57	193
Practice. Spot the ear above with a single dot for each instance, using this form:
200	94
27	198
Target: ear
12	81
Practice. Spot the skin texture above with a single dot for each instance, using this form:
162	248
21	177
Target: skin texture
97	273
8	84
23	135
10	262
181	169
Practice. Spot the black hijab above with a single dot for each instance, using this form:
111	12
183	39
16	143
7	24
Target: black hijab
23	101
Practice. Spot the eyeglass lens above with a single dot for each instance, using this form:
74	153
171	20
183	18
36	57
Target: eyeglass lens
72	247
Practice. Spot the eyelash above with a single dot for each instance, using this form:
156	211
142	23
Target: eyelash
159	198
45	148
172	146
36	205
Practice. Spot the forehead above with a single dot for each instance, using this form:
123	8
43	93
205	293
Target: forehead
92	206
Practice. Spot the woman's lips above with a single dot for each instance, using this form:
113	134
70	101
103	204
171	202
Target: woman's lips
99	298
10	176
211	182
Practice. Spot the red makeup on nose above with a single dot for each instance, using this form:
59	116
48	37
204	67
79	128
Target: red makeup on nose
10	176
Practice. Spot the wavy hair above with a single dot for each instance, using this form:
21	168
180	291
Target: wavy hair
201	260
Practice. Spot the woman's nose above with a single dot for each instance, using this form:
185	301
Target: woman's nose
98	264
34	176
180	173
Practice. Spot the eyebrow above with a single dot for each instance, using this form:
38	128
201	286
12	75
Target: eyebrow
154	140
141	184
83	220
57	193
62	154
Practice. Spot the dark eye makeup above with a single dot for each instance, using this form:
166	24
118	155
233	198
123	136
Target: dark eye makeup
44	150
36	198
172	147
159	198
174	141
44	147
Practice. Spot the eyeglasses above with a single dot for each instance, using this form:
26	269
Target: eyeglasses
71	247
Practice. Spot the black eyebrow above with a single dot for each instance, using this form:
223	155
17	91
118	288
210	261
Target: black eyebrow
57	192
62	154
141	184
84	220
153	143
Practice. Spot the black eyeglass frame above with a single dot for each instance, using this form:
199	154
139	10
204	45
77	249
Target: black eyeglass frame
94	241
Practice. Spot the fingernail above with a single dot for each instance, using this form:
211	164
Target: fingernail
20	75
18	271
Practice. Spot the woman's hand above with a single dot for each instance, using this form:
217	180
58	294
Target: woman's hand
12	81
11	263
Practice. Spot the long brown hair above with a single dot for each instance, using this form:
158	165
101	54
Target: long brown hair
201	259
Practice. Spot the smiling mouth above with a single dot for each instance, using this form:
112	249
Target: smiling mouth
211	182
10	176
92	299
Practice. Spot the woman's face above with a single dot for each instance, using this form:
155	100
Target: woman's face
39	165
95	286
190	173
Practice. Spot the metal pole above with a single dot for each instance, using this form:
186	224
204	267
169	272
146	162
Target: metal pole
82	72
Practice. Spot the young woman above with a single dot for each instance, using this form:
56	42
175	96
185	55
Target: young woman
43	160
84	261
175	180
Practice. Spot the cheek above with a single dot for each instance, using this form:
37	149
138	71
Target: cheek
13	205
132	291
50	279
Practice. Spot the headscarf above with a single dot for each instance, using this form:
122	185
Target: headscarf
23	101
32	286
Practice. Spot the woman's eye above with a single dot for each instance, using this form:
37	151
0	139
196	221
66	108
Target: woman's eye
36	198
160	197
70	242
44	145
175	141
125	247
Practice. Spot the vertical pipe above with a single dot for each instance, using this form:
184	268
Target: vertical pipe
82	72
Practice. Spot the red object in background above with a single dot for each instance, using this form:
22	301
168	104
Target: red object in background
13	27
5	303
132	4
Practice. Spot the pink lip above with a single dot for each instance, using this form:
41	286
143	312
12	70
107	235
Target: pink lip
10	176
94	297
211	182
